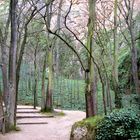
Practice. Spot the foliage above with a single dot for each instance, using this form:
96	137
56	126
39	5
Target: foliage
125	72
68	93
121	124
126	83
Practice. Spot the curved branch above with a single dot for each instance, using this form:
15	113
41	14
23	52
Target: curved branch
65	23
54	33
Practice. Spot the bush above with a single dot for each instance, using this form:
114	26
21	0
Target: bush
121	124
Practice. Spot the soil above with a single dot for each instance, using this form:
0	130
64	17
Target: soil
41	128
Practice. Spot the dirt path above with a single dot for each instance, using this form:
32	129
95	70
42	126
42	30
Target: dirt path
56	128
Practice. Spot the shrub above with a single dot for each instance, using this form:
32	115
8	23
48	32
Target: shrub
121	124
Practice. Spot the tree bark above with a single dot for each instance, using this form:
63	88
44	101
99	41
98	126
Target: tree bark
118	103
1	112
35	78
43	81
134	61
4	68
49	105
90	94
58	40
12	65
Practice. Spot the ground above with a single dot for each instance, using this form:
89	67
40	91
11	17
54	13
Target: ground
56	128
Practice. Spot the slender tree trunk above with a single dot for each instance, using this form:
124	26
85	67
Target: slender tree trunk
4	58
19	61
43	81
4	70
109	98
118	103
115	55
12	65
89	98
95	96
1	112
49	106
104	97
57	69
58	40
49	96
90	92
35	78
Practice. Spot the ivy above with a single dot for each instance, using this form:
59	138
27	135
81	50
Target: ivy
121	124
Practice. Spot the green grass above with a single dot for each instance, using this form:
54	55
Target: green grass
92	121
14	128
54	113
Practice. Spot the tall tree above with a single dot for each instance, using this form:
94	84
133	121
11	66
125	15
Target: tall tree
49	93
35	86
12	65
57	51
128	15
4	58
115	55
90	92
21	50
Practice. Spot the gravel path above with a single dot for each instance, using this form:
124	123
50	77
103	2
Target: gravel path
56	128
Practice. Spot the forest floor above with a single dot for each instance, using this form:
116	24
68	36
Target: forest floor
35	126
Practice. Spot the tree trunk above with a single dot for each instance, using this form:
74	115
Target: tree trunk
12	66
21	53
104	97
1	112
19	61
58	40
49	106
4	58
90	92
43	81
35	88
4	69
118	103
109	98
134	62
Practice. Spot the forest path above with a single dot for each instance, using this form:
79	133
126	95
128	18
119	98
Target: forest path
41	127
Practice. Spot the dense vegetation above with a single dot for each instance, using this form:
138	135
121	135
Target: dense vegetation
119	125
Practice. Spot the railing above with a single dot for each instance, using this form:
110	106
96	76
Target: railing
2	118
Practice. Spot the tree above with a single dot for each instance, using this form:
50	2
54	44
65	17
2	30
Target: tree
57	47
30	14
2	123
90	92
12	65
126	9
118	103
49	92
